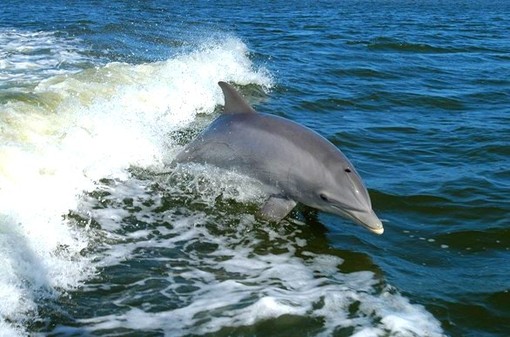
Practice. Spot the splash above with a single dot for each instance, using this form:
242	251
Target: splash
75	128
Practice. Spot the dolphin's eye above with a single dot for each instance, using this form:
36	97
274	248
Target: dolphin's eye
323	197
348	170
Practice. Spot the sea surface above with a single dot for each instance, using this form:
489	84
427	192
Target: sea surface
100	237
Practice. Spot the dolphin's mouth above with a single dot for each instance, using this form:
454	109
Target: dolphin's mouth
367	219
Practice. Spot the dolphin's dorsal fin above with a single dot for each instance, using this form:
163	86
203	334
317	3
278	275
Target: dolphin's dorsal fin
234	102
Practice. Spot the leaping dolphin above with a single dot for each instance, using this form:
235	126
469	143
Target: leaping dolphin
295	163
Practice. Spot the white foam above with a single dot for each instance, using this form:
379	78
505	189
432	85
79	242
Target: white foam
75	129
234	286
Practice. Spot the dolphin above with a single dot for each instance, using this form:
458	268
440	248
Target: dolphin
293	162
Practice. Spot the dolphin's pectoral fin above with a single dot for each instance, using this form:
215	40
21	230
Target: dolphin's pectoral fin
276	208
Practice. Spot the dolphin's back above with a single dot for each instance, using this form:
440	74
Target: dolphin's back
266	147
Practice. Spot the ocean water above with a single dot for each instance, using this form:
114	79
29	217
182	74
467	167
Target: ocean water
99	237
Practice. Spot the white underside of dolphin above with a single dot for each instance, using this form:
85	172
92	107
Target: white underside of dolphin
295	163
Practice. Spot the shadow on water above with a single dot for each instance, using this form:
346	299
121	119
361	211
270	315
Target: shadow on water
319	242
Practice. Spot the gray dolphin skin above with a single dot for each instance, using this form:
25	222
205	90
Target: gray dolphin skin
293	162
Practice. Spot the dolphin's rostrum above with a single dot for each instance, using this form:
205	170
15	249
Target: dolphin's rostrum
295	163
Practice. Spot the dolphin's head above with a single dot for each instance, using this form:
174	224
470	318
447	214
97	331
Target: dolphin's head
343	193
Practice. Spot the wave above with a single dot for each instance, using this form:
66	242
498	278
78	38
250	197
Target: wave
75	128
72	207
391	44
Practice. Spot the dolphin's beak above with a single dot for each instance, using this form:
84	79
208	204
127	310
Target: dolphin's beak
368	219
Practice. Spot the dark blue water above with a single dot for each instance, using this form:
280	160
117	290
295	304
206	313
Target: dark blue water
97	97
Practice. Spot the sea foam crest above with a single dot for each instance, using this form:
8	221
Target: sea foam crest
76	128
